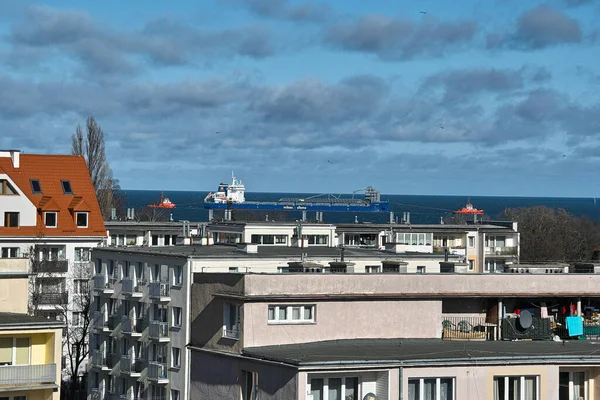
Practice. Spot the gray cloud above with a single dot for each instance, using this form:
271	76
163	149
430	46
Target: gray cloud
538	28
400	39
577	3
282	9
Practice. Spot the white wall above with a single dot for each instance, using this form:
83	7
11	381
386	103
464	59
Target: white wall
21	204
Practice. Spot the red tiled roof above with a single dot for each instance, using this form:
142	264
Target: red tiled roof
50	170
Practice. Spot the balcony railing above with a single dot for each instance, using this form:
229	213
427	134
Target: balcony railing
159	289
50	266
98	358
129	365
96	394
157	371
129	288
130	325
13	375
158	330
468	328
231	333
101	282
501	251
52	298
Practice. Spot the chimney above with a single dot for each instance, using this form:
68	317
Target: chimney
14	155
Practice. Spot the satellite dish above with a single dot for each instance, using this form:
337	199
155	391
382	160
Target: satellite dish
525	319
370	396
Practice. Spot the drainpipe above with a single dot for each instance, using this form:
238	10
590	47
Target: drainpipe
401	386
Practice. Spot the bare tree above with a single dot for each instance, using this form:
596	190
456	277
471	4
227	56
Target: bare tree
92	147
149	214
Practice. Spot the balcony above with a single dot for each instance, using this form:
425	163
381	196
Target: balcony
468	328
231	333
104	284
157	372
129	289
48	266
160	290
17	375
132	366
96	394
99	359
133	327
159	331
500	251
51	298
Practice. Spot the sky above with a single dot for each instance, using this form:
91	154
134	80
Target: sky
476	97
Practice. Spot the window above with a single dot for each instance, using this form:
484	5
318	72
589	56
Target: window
280	239
77	319
233	269
50	219
125	269
154	240
11	219
66	186
81	219
176	316
471	241
14	351
81	286
175	395
317	239
10	252
572	385
6	188
516	388
338	388
231	320
420	269
167	240
20	398
471	265
82	254
249	385
372	269
131	240
36	187
175	357
431	389
177	275
291	314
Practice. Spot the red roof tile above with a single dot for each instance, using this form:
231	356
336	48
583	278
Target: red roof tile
50	170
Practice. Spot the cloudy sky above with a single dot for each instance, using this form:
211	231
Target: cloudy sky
476	97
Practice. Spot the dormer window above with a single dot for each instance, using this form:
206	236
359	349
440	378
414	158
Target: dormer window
6	188
66	185
50	219
36	187
82	219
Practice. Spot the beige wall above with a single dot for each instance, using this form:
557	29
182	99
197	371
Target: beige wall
483	285
345	320
13	289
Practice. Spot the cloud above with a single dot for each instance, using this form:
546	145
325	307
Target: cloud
577	3
282	9
538	28
103	51
400	39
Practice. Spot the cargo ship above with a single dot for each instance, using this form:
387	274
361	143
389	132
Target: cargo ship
231	196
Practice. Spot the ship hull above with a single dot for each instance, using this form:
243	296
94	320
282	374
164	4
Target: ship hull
374	207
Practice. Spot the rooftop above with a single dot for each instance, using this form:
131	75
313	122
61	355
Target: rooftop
15	321
427	351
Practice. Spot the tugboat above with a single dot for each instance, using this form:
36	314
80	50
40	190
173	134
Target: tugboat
163	203
468	209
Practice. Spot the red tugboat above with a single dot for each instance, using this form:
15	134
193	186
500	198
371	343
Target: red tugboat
163	203
468	209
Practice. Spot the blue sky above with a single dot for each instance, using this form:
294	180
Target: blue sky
413	97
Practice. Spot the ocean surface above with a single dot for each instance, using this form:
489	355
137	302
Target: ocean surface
423	209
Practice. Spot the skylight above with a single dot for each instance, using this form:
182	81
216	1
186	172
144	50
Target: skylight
36	187
66	185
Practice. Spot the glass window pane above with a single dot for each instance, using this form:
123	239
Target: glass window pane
22	352
446	391
429	389
282	313
308	313
316	389
514	387
335	389
271	313
6	345
499	388
351	392
578	385
296	313
530	389
413	389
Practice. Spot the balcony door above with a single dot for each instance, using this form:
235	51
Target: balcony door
573	385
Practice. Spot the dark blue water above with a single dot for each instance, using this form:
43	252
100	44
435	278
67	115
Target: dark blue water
423	209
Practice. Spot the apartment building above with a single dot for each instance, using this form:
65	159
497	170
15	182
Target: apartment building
49	214
395	336
148	234
30	347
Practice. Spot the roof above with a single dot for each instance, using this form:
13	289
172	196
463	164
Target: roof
50	170
427	351
14	320
228	251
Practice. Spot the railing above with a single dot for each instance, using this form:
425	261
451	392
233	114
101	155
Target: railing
113	321
129	288
129	365
50	266
130	325
52	298
159	289
157	371
548	328
467	328
97	320
96	394
158	330
101	282
98	358
13	375
501	251
231	333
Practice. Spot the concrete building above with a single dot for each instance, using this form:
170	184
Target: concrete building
148	234
395	336
30	347
49	214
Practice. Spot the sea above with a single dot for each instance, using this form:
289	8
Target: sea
423	209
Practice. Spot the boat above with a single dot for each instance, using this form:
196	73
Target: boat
468	209
163	203
231	196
